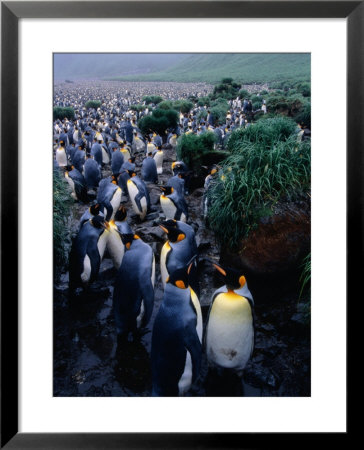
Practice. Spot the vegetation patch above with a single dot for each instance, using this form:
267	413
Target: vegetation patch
62	202
266	164
193	148
159	121
93	104
63	113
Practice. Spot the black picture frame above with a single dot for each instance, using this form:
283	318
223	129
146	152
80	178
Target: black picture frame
11	12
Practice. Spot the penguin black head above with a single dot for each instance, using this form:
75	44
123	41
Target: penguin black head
127	240
179	277
167	190
174	233
233	278
99	222
95	209
120	214
131	173
132	159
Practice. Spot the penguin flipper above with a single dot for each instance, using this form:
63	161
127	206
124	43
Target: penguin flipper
193	345
137	199
109	210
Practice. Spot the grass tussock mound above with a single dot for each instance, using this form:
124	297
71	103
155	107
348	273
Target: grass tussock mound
62	202
266	164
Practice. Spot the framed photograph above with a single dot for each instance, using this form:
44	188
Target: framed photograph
235	80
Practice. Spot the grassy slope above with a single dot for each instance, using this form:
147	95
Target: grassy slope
93	65
246	68
210	68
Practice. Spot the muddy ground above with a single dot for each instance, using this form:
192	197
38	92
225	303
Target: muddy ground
88	361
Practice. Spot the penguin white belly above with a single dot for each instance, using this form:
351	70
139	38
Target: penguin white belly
229	332
164	273
105	156
196	304
115	201
143	203
153	271
141	315
158	158
186	379
85	275
173	142
168	207
150	148
115	247
133	192
61	158
139	144
102	242
126	155
72	186
183	218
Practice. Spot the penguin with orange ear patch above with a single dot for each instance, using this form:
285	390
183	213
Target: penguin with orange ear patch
230	326
77	183
133	297
173	204
179	249
176	340
139	195
109	197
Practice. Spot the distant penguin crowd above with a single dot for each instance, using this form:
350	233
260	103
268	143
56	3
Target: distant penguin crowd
105	159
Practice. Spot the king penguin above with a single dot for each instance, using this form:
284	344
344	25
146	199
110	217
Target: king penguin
87	252
109	197
139	195
93	210
173	204
230	325
179	249
91	172
158	156
176	339
77	182
133	297
61	155
118	227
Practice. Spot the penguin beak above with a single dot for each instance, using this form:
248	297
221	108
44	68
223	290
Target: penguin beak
164	228
220	269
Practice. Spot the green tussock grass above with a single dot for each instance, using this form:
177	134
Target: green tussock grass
263	168
93	104
62	113
192	148
305	277
266	132
62	202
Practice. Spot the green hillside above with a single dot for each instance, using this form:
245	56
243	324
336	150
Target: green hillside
246	68
101	65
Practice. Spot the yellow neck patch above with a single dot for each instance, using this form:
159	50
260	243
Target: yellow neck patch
180	284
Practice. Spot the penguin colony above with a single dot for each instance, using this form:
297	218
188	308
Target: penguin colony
83	152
